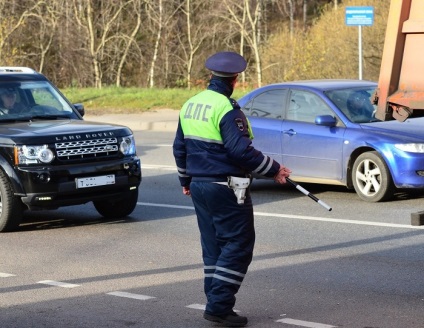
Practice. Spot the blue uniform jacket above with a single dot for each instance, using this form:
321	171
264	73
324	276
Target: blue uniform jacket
205	160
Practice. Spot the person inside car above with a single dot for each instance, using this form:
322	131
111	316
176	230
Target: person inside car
359	107
8	103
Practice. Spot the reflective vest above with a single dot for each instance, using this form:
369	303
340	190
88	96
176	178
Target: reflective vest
199	121
213	141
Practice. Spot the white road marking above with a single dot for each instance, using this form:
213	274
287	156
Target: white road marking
313	218
159	167
301	217
131	295
6	275
304	323
197	306
57	283
169	206
201	307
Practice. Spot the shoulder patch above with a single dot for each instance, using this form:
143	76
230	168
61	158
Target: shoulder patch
240	124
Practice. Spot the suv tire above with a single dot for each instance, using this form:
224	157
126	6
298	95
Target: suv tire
10	206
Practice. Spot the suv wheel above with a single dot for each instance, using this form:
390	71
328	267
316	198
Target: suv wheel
10	206
371	178
118	208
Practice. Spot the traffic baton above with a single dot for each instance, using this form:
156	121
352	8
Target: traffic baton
307	193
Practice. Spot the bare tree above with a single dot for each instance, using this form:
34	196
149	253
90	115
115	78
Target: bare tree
160	24
160	19
165	42
98	24
44	19
193	37
130	39
288	8
250	30
12	20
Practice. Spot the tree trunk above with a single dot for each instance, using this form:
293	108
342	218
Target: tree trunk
128	44
156	48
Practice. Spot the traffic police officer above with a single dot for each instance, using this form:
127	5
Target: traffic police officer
215	157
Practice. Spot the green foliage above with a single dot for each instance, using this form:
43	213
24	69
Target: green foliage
131	100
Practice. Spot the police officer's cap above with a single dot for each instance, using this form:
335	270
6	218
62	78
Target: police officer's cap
226	64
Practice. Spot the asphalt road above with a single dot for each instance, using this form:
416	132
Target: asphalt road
358	266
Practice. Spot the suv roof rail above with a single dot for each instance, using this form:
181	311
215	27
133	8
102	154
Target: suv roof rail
16	69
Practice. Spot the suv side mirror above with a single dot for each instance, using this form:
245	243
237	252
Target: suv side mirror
80	108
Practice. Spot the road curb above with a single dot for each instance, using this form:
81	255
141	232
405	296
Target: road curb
159	120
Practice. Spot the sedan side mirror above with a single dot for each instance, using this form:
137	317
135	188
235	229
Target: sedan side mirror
326	120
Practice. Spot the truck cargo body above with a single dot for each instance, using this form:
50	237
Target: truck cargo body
400	92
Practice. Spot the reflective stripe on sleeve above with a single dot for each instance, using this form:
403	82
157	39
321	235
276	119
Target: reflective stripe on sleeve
182	172
268	162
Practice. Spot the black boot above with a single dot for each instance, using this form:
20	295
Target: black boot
231	319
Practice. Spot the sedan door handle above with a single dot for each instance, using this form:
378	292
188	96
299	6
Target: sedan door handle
290	132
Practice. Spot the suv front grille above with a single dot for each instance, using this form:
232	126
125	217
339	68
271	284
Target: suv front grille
85	149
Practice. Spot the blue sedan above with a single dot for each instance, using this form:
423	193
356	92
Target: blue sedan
325	131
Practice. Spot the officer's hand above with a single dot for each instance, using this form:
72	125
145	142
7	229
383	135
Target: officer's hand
282	174
186	191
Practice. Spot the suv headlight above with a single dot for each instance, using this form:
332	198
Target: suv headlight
33	154
127	146
411	147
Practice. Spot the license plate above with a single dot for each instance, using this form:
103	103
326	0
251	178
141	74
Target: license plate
102	180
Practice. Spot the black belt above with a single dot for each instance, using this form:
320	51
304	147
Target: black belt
210	179
218	178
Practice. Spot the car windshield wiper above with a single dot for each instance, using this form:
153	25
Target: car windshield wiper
47	117
28	118
15	119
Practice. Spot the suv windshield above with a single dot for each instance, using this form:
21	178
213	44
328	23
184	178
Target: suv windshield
30	100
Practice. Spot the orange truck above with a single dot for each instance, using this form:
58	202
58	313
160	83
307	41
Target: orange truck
400	92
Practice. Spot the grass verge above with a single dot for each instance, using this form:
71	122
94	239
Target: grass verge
114	100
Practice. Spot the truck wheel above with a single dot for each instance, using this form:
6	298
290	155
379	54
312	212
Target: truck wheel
10	206
118	208
371	178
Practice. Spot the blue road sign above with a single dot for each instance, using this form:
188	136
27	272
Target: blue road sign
359	16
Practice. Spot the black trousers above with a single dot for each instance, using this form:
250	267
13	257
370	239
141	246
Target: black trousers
227	237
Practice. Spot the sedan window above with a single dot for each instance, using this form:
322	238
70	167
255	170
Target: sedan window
268	104
305	106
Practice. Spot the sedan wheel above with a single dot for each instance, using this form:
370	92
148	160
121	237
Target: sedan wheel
371	178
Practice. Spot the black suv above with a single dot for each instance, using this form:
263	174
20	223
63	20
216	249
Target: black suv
50	157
